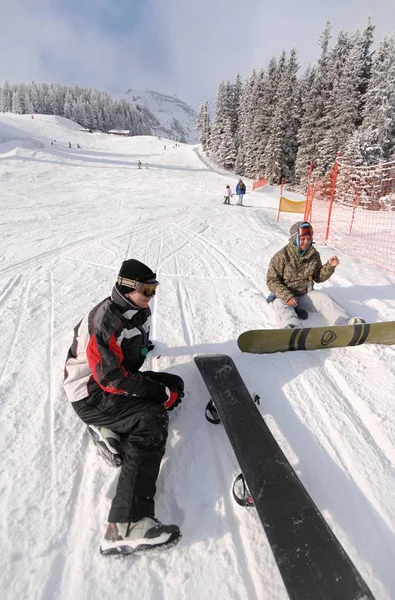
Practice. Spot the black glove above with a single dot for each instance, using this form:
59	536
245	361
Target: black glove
150	346
301	313
173	400
173	382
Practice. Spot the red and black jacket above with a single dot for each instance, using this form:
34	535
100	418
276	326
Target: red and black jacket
109	348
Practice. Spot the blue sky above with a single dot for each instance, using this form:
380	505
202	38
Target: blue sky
181	47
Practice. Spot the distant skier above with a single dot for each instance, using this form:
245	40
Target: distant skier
228	195
139	164
290	278
69	144
79	147
126	409
240	191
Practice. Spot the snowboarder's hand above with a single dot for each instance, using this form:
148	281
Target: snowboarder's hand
173	400
292	302
170	380
333	261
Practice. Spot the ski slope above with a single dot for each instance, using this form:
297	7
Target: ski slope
68	219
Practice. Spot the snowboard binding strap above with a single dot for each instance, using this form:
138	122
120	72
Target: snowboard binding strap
211	413
245	499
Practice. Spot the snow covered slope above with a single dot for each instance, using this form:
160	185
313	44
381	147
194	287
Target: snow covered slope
168	116
69	218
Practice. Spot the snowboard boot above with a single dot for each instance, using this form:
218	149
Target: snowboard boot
146	535
356	321
108	444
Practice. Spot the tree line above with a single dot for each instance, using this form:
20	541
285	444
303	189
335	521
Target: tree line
275	122
88	107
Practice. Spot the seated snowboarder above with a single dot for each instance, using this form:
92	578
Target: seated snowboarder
290	278
126	410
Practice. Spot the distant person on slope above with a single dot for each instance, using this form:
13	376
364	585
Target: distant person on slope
228	195
290	278
240	191
126	409
139	163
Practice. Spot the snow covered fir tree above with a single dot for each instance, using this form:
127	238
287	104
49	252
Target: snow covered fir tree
89	108
276	122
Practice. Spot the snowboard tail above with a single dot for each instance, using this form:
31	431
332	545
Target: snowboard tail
262	341
312	562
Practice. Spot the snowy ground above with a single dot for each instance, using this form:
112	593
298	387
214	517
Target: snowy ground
68	219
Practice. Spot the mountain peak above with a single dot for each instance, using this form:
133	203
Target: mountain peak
167	115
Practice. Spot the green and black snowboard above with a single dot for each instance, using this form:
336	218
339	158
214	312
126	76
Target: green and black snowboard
262	341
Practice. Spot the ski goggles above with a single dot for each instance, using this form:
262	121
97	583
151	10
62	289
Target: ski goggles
147	289
305	229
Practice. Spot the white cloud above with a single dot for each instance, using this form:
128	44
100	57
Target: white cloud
175	46
37	42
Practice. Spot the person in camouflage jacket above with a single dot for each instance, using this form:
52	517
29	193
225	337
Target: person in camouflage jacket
291	275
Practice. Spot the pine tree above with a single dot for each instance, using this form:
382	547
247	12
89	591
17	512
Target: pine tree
78	113
366	42
245	117
280	151
218	126
237	95
379	112
203	125
68	105
7	97
312	126
35	98
54	104
228	147
254	130
17	106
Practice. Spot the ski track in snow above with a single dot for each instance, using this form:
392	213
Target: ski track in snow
78	216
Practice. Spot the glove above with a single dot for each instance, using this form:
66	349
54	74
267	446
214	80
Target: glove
171	381
174	399
301	313
150	346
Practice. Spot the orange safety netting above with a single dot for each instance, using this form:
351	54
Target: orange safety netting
258	183
353	210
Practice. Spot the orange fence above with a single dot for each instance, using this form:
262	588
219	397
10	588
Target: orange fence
353	210
258	183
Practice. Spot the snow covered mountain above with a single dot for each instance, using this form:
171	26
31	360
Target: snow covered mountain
167	115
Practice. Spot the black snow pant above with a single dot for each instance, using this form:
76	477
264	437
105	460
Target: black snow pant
143	428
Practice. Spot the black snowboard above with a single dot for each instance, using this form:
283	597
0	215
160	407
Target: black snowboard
312	562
